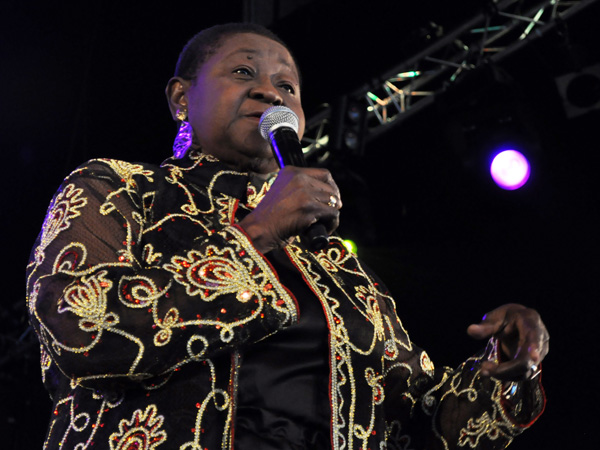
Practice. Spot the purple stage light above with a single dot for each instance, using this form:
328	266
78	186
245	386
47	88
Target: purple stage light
510	169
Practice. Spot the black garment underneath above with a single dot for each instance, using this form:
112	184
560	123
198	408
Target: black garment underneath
283	397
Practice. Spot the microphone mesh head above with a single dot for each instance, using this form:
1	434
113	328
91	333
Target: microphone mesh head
275	117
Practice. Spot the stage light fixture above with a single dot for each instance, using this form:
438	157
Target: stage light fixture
348	121
492	127
580	91
510	169
354	129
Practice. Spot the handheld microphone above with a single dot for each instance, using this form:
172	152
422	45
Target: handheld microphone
279	126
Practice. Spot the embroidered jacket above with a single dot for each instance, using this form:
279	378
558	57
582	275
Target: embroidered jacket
142	290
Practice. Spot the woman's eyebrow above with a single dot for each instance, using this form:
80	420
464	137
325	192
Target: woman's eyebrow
253	51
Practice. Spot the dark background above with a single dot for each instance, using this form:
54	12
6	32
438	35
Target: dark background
81	80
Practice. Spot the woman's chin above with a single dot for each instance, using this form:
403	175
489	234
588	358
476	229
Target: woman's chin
263	165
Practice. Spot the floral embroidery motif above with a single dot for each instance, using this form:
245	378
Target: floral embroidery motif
226	207
138	292
170	320
478	428
175	285
142	432
87	299
255	196
427	364
213	273
127	171
151	257
64	209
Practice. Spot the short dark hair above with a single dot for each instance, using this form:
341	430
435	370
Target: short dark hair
204	44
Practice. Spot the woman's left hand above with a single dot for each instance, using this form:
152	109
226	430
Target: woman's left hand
523	340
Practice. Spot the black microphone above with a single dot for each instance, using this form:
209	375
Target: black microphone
279	126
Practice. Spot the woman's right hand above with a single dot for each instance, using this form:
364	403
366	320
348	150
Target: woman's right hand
298	198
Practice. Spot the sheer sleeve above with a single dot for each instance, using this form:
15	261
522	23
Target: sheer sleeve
472	411
445	408
115	292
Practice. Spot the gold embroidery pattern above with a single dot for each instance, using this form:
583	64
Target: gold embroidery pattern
101	296
64	209
70	258
127	171
142	432
426	364
151	257
346	350
491	424
158	304
354	423
221	401
477	428
237	271
169	321
176	176
213	273
78	423
226	207
138	291
256	195
87	299
45	362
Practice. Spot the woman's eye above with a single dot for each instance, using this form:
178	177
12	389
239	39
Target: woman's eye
288	87
243	71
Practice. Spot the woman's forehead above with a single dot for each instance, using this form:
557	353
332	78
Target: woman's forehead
253	46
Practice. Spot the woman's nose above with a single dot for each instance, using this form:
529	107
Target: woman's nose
265	90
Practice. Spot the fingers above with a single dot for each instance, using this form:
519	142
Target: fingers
522	338
510	371
326	190
298	198
493	322
481	330
327	211
315	195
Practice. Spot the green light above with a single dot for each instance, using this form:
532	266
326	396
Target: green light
411	74
372	96
483	30
350	245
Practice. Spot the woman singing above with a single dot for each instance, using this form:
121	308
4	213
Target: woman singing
179	307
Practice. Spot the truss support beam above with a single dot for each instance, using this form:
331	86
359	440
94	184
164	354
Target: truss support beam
413	84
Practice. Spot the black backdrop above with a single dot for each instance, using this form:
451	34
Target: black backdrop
80	80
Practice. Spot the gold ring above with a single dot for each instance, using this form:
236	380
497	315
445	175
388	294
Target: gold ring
332	201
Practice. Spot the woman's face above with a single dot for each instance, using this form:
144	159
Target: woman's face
247	74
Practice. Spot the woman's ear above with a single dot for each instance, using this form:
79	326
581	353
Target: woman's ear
175	91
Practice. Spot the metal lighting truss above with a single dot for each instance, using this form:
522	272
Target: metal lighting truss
411	86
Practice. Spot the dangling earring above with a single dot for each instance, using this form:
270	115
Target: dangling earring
183	140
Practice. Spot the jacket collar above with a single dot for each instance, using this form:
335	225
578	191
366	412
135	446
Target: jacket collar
208	172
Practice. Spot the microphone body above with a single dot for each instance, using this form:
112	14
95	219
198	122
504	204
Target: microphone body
286	147
279	126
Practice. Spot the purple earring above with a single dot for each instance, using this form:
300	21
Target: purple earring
183	140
